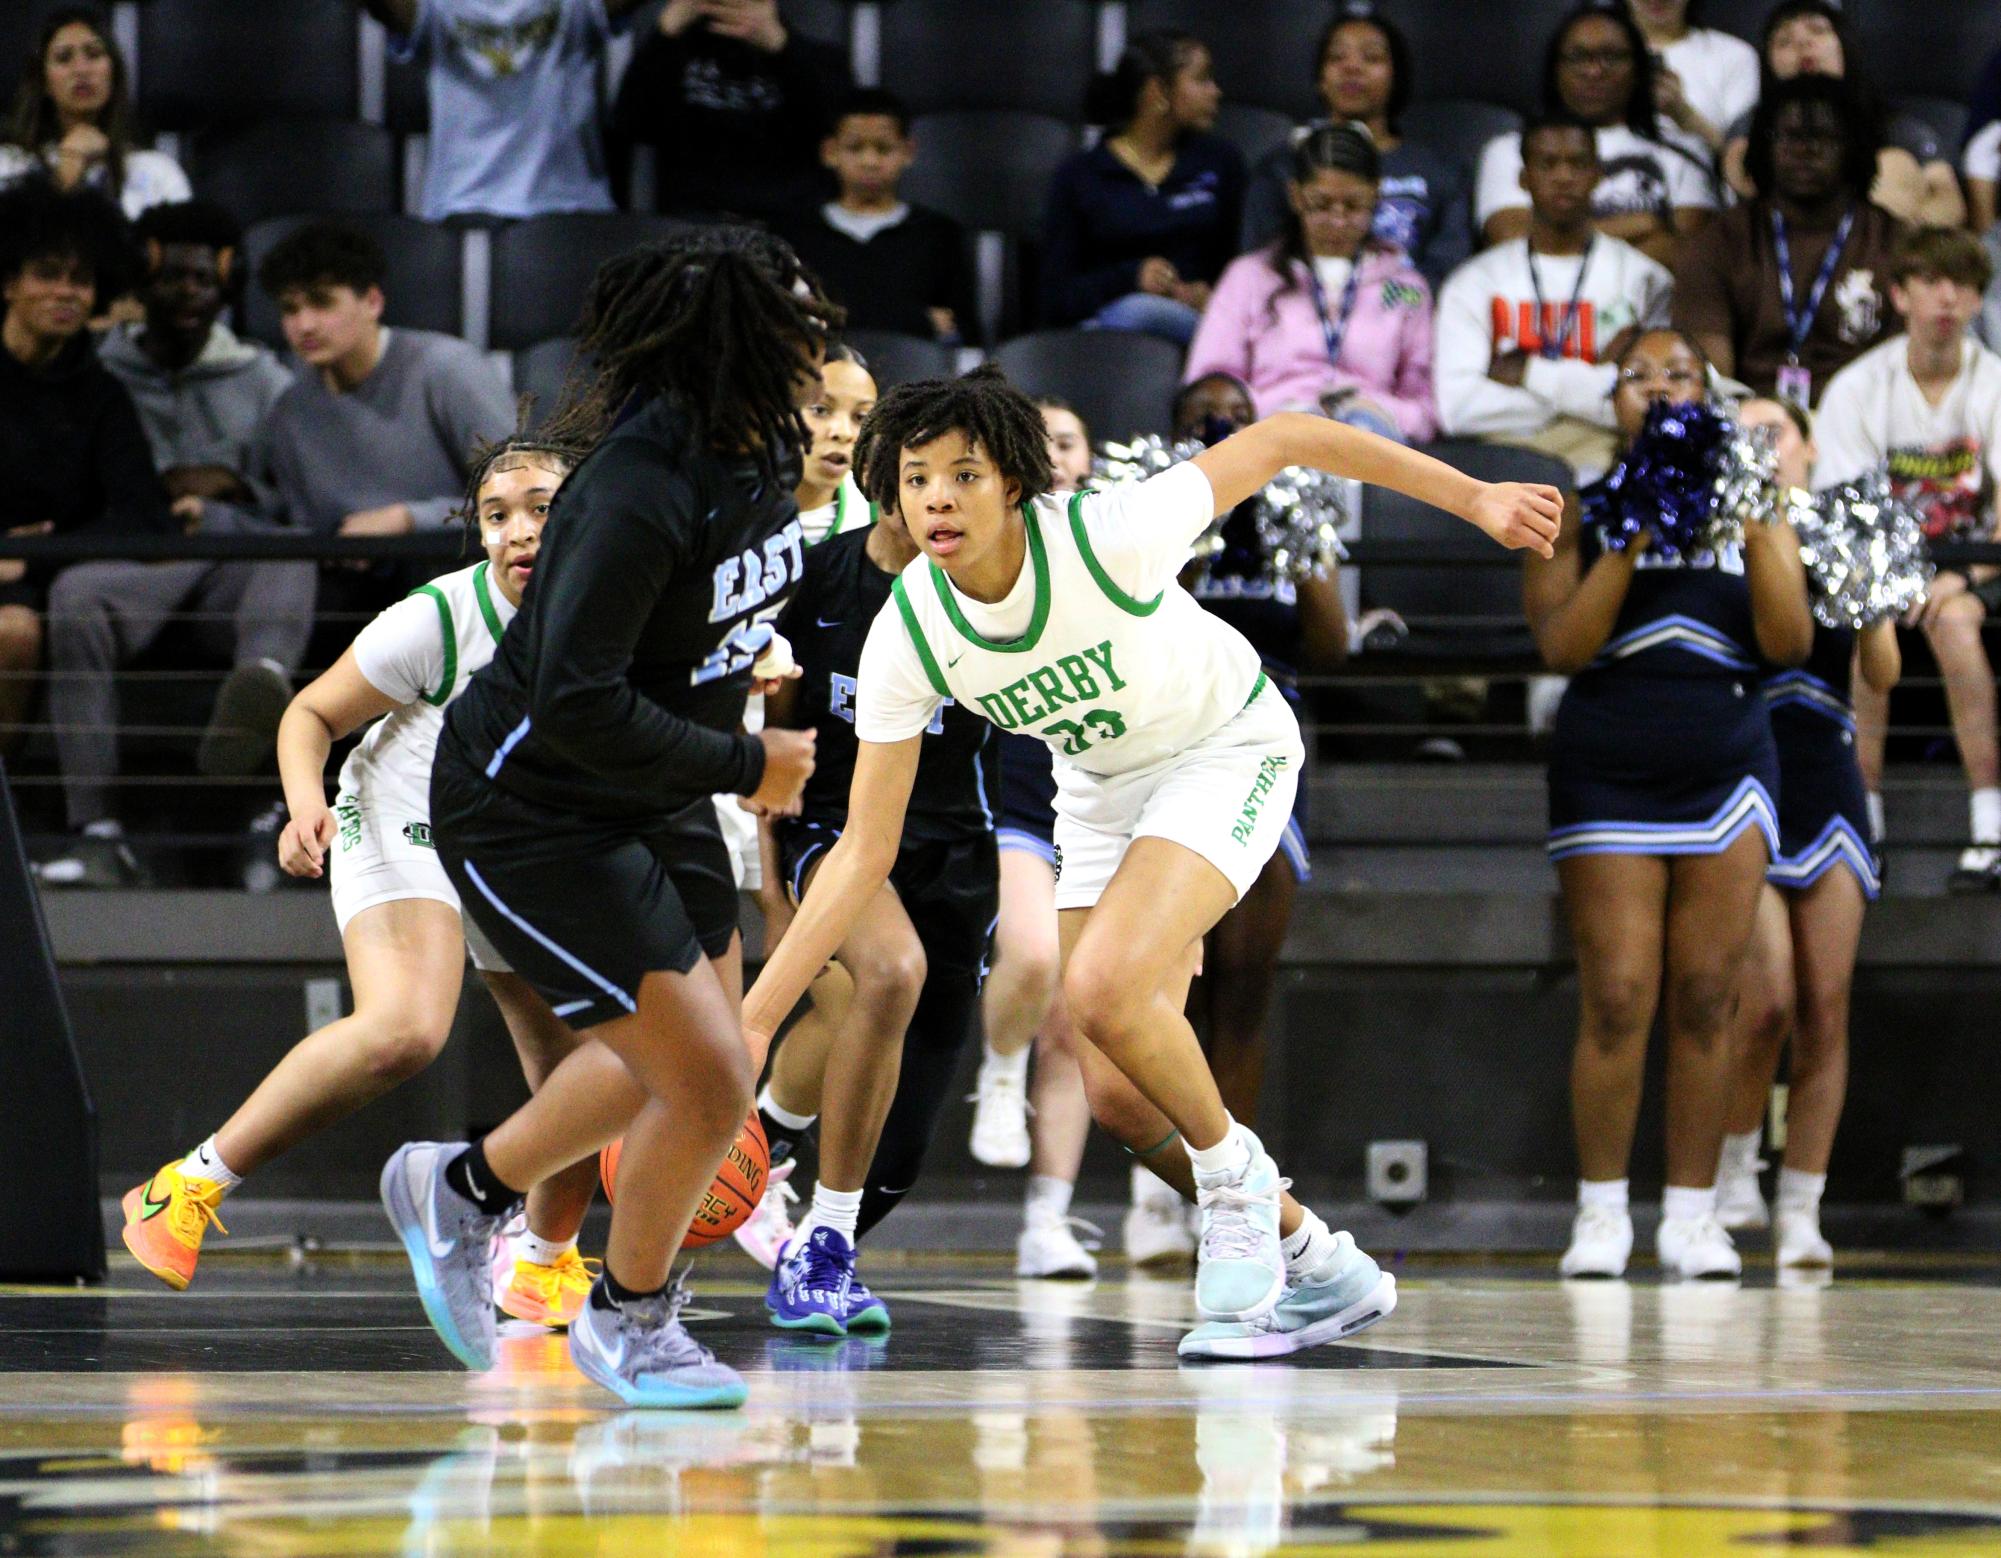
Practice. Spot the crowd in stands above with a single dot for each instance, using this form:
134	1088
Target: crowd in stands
1369	264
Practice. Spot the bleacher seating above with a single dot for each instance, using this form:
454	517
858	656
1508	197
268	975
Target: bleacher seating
542	370
281	167
894	358
1030	54
1459	127
1926	48
212	62
541	268
426	288
1491	53
1120	382
1254	131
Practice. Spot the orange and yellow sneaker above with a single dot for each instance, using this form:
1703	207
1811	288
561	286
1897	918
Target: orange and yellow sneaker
542	1295
165	1219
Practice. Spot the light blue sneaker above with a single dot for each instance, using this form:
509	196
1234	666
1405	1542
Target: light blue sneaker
450	1245
809	1287
1348	1292
1240	1270
642	1354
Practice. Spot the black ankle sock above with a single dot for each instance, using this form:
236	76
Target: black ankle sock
471	1176
610	1293
779	1138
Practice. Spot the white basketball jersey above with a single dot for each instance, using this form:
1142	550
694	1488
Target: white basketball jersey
1117	668
421	651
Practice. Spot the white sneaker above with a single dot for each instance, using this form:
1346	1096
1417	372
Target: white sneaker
1798	1241
768	1229
1049	1247
1601	1242
1239	1265
1696	1248
1155	1231
1739	1201
1000	1118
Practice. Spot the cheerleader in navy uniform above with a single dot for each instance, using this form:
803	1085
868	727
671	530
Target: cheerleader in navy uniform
1663	780
1294	626
1801	963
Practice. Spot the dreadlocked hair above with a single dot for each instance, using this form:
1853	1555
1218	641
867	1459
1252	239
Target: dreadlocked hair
983	405
719	321
557	444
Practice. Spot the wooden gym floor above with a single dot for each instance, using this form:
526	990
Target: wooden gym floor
281	1409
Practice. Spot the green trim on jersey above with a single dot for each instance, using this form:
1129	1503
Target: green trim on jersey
1038	559
909	615
438	699
841	512
485	600
1113	593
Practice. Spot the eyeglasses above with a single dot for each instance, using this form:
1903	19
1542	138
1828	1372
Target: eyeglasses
1673	378
1581	59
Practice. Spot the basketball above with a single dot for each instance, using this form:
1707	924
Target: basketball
730	1198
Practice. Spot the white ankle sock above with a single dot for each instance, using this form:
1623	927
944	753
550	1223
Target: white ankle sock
1800	1192
995	1064
540	1252
1984	807
1223	1162
1047	1197
1306	1249
1874	802
1740	1153
784	1116
206	1163
839	1210
1608	1193
1684	1203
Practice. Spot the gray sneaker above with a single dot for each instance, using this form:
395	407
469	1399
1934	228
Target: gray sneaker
642	1354
243	726
450	1245
99	860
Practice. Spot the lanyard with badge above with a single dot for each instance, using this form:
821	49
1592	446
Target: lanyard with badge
1795	380
1572	311
1334	328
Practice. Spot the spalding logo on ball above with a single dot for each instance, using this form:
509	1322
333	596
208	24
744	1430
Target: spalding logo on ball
731	1197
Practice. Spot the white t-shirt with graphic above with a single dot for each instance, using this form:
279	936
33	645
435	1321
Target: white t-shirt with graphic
1944	460
1635	174
1097	649
421	651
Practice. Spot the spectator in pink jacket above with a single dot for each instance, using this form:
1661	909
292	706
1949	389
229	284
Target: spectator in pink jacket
1327	319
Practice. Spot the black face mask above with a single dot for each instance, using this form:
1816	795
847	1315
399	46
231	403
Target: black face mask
1214	429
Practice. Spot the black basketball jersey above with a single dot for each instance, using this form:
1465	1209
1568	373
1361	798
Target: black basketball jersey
618	691
827	623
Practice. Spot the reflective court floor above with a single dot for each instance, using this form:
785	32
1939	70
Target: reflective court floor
281	1409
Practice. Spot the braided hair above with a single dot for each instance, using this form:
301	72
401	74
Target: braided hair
982	404
720	321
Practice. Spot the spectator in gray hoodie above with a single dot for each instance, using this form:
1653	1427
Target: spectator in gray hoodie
202	396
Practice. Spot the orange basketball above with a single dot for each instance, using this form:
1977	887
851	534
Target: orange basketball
731	1197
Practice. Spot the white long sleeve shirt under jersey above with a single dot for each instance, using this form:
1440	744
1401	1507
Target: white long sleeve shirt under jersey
1489	306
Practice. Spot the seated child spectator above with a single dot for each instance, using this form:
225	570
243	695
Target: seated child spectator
1364	75
1926	405
1329	318
202	397
1790	287
1652	185
1913	181
892	265
76	457
513	92
1529	332
1141	225
734	103
73	117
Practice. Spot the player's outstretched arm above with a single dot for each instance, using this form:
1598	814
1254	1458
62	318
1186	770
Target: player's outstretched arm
854	871
1516	514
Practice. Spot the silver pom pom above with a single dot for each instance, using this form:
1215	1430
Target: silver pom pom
1299	514
1864	552
1746	485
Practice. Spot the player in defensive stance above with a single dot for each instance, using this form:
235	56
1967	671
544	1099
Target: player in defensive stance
398	913
1175	760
